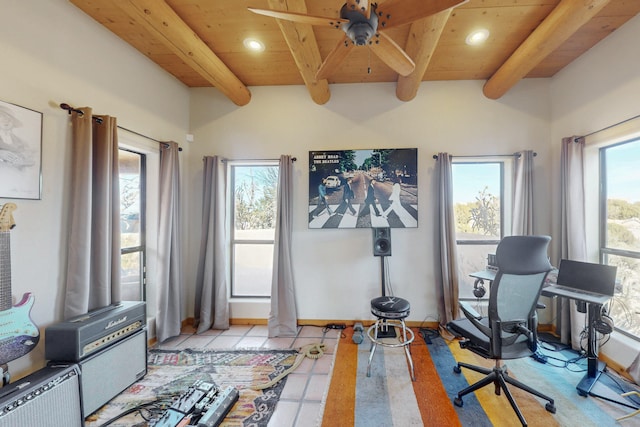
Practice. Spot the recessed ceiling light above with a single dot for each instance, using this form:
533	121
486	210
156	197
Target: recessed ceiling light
477	37
254	45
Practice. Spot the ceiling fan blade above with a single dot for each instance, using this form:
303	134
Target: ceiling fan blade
335	58
393	55
300	17
393	13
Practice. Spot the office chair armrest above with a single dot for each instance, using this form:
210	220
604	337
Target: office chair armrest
517	327
469	311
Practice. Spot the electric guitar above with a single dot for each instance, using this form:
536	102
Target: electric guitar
18	334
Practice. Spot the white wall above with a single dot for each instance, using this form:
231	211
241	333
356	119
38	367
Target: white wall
52	53
336	274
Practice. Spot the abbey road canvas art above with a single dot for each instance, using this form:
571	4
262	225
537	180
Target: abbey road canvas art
20	152
363	188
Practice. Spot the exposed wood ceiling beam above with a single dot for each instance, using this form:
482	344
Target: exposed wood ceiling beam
423	39
558	26
159	19
303	45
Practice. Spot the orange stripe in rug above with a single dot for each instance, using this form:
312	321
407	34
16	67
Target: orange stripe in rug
497	408
339	409
435	405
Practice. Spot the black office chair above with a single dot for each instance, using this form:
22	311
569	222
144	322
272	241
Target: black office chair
509	330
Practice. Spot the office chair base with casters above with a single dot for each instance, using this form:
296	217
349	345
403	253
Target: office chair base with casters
499	377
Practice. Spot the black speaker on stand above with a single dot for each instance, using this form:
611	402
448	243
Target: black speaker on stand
382	241
382	249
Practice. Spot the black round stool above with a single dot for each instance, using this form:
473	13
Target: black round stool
391	312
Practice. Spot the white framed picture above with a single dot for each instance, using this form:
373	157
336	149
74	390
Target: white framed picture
20	152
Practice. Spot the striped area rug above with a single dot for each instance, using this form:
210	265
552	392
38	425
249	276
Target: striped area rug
389	398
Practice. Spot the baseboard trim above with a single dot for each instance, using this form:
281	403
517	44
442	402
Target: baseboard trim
188	322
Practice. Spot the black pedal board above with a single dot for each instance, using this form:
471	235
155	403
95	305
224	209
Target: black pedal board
203	404
219	408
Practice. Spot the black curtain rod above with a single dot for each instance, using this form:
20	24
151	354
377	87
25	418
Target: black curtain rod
293	159
98	120
70	109
435	156
607	127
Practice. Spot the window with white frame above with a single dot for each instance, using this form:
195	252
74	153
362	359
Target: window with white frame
139	163
254	191
132	224
619	223
481	201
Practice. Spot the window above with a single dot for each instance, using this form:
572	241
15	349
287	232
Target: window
132	220
254	189
620	229
479	201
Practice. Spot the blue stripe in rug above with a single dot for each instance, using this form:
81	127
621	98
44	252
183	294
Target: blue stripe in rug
372	399
560	384
471	414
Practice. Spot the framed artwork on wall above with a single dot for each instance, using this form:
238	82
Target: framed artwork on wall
20	152
363	188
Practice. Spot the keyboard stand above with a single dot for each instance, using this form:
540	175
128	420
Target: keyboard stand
588	385
594	366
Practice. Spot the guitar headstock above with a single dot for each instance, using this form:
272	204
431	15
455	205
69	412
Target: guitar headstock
6	218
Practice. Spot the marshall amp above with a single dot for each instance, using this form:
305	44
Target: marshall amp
109	345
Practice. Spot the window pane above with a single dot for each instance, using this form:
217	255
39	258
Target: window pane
130	195
476	200
623	196
130	276
255	189
255	193
253	266
472	258
625	307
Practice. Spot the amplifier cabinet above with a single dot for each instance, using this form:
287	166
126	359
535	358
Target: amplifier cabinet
48	397
107	373
81	336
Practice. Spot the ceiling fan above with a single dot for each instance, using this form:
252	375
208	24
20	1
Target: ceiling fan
364	24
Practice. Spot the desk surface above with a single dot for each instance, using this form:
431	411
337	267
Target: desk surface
489	275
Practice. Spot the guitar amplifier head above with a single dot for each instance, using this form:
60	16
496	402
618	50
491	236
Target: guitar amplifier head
82	336
48	397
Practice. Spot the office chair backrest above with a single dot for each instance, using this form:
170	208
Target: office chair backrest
522	267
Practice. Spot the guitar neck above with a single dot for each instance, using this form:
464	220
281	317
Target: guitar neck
5	271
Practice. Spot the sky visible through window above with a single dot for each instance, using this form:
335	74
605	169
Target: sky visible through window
623	172
471	178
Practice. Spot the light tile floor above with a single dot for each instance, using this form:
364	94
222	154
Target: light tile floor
300	404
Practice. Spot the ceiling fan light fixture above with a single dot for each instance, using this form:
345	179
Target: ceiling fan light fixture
477	37
253	45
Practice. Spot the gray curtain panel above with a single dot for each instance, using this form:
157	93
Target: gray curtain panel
169	318
445	251
212	301
572	230
93	265
522	221
283	318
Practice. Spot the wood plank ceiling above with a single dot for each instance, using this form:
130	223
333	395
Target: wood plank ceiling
200	42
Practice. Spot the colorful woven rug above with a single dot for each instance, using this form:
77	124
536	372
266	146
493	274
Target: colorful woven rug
389	398
170	373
